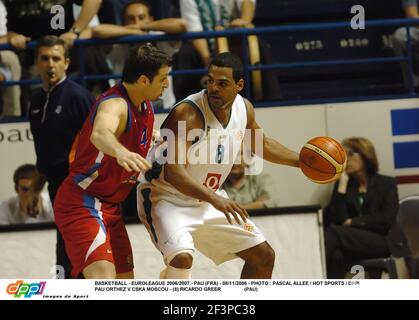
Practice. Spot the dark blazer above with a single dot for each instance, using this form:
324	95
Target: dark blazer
377	213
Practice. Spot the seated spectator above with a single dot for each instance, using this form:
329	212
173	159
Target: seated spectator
250	191
31	20
11	210
9	71
400	41
215	15
139	21
361	212
111	11
23	14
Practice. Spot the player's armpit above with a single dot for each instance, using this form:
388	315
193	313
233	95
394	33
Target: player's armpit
183	126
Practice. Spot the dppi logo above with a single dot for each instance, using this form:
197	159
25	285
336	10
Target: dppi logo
27	290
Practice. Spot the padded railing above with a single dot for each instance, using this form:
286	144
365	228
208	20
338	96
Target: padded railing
243	33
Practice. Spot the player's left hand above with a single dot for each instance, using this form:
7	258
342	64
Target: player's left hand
132	161
230	208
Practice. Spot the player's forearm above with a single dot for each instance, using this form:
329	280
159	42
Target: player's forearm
169	25
105	31
177	176
88	10
105	141
248	11
275	152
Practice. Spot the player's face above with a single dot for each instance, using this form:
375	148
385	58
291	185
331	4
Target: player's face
137	15
355	163
222	89
159	83
51	64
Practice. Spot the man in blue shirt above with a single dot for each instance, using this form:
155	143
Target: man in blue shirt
400	40
57	113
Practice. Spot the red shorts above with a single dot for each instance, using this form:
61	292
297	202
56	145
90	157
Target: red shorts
92	230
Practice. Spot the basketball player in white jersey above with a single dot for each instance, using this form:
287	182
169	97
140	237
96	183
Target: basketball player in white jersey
181	204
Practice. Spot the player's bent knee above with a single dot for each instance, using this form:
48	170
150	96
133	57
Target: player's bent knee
262	255
181	260
175	273
101	269
268	254
179	265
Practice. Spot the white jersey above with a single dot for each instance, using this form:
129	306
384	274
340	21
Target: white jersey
211	158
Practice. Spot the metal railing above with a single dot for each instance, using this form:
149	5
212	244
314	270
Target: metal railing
243	33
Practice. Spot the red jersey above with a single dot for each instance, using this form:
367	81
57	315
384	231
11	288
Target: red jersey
99	174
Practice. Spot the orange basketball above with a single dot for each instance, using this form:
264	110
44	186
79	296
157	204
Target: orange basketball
322	159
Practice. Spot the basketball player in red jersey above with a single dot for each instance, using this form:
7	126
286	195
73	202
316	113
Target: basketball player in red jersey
106	159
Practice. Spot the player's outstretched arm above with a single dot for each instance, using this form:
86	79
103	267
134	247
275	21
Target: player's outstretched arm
273	151
109	124
176	173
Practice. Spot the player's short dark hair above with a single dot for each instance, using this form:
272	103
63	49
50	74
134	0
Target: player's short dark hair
144	60
229	60
143	2
25	171
50	41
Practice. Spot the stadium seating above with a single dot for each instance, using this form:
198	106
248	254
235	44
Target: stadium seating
335	44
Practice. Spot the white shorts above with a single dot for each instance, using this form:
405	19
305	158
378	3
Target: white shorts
174	228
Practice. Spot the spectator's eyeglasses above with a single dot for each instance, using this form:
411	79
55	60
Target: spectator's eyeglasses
352	154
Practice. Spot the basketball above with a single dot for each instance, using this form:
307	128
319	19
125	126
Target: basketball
322	159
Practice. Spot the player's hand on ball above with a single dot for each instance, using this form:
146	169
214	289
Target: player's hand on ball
322	160
132	161
230	208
